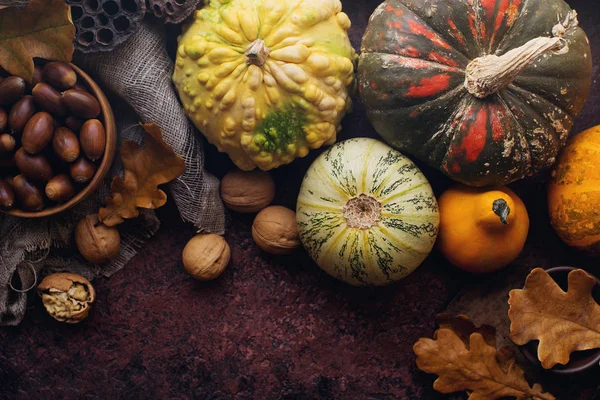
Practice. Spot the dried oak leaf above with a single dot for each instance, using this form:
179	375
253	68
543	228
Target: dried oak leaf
465	358
42	29
145	168
562	322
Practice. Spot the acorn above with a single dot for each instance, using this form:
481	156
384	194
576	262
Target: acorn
60	188
20	114
7	143
81	104
38	72
7	195
38	132
93	139
80	86
83	170
60	75
49	99
65	144
3	119
35	167
11	90
29	195
73	123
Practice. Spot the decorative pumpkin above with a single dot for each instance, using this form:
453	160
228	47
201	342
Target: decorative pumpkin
266	80
366	213
482	230
485	91
573	197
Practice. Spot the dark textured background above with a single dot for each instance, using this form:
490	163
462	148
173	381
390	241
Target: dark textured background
268	327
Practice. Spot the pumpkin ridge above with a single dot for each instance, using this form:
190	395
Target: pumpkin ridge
542	96
333	240
338	188
399	243
452	48
508	33
447	68
402	194
363	179
549	123
478	22
523	130
466	102
437	139
282	20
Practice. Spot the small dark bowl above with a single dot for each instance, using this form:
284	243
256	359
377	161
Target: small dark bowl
580	360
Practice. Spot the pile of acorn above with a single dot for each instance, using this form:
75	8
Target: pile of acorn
50	138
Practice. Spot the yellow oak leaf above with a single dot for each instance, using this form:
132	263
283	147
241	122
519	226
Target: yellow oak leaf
145	168
562	322
42	29
465	358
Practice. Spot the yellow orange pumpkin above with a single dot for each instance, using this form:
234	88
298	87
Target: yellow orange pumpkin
481	230
573	195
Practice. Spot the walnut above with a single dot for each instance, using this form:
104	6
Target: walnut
247	191
67	297
275	230
206	256
97	242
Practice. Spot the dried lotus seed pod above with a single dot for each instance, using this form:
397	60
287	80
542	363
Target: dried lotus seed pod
67	297
172	11
104	24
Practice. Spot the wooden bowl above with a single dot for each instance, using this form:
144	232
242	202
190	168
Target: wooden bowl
580	360
108	119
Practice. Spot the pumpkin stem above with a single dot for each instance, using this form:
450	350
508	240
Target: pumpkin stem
488	74
257	53
362	212
501	209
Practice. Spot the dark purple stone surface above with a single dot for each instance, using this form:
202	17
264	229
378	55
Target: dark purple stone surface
269	327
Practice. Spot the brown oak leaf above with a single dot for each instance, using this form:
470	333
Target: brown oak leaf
42	29
562	322
465	358
145	168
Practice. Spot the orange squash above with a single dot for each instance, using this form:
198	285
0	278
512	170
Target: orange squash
481	230
573	192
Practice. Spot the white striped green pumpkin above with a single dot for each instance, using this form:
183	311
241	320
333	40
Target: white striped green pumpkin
366	213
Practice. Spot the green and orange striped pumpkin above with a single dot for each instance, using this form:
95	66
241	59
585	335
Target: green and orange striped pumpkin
484	90
366	213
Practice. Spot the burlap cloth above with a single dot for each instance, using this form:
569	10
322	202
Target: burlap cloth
137	78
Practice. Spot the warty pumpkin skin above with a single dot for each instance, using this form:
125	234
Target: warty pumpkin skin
573	196
429	68
266	80
481	230
366	213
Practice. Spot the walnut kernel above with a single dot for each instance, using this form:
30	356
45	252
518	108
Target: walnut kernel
67	297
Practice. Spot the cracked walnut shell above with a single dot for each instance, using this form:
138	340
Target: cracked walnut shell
275	230
206	256
247	191
67	297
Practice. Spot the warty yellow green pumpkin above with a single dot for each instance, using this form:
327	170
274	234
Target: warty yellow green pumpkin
266	80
